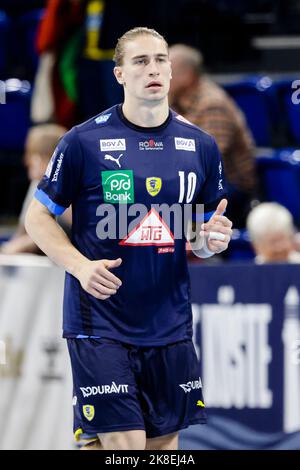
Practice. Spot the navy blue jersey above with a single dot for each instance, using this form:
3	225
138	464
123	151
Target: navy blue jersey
108	168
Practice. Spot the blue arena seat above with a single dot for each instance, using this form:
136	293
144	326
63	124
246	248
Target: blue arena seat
256	97
239	248
15	114
288	91
279	177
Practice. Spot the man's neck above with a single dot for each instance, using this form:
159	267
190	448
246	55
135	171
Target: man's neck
146	115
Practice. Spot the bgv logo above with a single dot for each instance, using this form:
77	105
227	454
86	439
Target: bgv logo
112	144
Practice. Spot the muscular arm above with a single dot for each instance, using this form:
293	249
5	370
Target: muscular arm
50	237
94	276
215	121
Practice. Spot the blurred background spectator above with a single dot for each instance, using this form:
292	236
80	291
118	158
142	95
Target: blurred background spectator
58	42
56	67
204	103
39	147
271	231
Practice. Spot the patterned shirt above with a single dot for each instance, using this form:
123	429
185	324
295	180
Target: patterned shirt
210	108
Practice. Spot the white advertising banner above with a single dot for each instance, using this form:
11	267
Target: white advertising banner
35	375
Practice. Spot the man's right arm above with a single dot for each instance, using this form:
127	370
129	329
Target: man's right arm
94	276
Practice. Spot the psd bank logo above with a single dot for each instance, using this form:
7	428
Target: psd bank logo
118	187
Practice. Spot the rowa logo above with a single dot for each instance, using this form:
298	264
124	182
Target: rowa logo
112	144
296	93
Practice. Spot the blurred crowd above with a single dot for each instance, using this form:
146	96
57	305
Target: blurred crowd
72	81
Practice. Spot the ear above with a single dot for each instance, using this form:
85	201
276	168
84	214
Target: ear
170	69
119	75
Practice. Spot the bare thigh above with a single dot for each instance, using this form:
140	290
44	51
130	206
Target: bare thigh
123	440
167	442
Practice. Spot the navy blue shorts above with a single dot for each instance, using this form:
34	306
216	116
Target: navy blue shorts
120	387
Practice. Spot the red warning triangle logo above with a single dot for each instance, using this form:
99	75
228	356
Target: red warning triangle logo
152	230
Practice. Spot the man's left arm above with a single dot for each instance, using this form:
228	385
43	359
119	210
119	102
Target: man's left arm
213	236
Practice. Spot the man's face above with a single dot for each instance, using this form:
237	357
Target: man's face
146	69
275	247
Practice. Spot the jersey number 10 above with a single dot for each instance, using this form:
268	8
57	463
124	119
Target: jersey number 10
191	186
